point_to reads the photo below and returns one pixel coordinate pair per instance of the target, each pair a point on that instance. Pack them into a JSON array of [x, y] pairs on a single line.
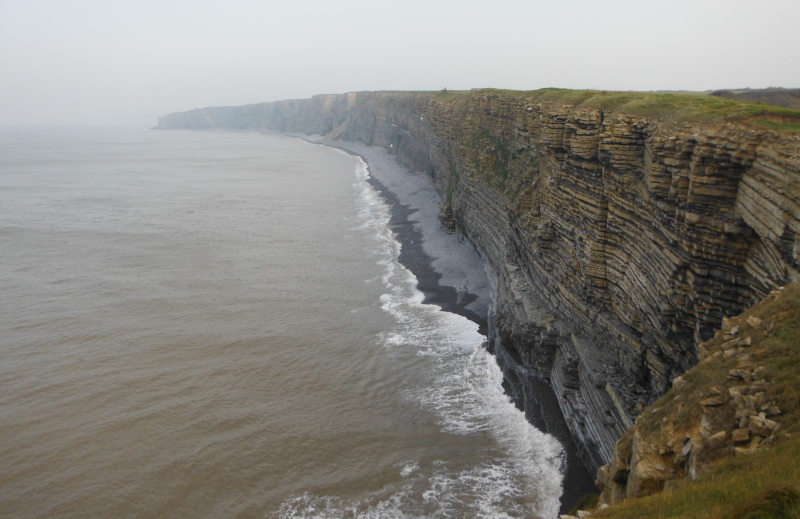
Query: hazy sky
[[111, 61]]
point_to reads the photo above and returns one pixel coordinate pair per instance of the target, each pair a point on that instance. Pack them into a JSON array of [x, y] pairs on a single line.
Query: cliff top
[[668, 107], [786, 97]]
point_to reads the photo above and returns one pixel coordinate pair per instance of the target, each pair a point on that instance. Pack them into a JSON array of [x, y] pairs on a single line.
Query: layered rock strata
[[736, 401], [619, 242]]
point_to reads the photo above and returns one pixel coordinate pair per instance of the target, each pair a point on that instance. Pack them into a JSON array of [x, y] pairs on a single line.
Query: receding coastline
[[414, 220], [622, 227]]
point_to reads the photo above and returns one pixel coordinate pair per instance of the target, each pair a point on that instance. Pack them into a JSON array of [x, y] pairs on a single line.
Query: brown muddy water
[[213, 325]]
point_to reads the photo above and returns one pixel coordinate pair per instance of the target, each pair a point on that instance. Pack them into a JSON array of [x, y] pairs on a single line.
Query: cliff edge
[[621, 228], [722, 442]]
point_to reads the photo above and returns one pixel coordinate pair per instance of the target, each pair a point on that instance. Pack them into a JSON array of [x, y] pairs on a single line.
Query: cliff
[[621, 228], [722, 442]]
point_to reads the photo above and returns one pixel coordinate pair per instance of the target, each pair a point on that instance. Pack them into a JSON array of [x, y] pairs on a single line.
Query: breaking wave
[[519, 471]]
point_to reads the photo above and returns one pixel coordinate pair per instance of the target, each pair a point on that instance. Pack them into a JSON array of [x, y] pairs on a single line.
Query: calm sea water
[[211, 325]]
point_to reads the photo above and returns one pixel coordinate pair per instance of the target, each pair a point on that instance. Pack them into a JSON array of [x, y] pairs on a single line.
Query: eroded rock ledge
[[740, 399], [619, 240]]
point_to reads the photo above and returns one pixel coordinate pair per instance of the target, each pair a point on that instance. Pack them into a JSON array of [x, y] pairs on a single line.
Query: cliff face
[[619, 240], [716, 424]]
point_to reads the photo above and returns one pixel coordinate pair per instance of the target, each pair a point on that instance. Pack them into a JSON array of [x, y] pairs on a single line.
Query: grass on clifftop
[[746, 485], [671, 107], [739, 484]]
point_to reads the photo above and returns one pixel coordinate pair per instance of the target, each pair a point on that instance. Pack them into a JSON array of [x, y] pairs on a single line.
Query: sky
[[127, 62]]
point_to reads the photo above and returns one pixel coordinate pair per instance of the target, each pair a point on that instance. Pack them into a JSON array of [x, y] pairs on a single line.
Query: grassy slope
[[723, 493], [668, 107], [739, 481], [788, 97]]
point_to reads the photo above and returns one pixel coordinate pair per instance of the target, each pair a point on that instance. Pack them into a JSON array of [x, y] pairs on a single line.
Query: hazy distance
[[99, 62]]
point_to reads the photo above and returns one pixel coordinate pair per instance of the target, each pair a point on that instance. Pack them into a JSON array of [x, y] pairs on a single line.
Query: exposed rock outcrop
[[740, 398], [620, 236]]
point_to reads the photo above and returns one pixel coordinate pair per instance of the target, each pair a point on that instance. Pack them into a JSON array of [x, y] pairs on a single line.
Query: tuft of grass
[[587, 502], [776, 503]]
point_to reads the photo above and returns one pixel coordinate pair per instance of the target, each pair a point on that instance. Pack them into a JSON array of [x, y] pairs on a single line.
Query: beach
[[452, 275]]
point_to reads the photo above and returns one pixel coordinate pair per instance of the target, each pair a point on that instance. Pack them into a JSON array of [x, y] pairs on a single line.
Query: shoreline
[[417, 260], [449, 273], [414, 258], [548, 418]]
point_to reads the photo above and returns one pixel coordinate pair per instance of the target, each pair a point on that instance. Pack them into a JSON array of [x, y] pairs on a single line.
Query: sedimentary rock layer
[[737, 400], [619, 242]]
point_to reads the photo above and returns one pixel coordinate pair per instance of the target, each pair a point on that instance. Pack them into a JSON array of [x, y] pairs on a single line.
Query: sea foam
[[523, 472]]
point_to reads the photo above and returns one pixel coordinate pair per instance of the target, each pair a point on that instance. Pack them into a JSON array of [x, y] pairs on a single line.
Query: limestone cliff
[[621, 228], [733, 402], [723, 441]]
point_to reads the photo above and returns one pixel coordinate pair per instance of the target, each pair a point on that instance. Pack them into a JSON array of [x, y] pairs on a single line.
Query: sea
[[216, 325]]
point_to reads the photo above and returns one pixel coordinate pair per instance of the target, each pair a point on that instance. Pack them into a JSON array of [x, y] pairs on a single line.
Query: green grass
[[740, 484], [778, 126], [666, 107], [587, 502], [749, 485], [774, 503], [451, 94]]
